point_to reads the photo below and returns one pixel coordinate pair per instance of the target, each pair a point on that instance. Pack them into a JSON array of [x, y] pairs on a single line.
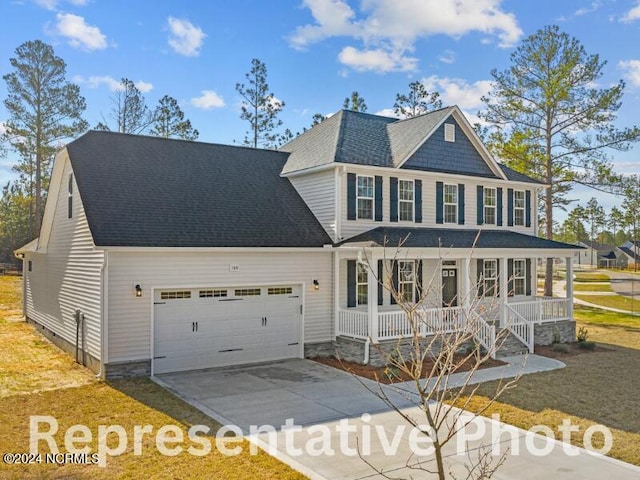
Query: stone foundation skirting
[[544, 333], [322, 349], [133, 369], [90, 362]]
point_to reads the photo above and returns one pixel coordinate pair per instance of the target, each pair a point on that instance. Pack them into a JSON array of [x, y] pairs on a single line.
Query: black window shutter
[[461, 204], [510, 276], [439, 202], [393, 198], [418, 280], [380, 282], [394, 283], [527, 208], [499, 207], [351, 283], [480, 205], [418, 200], [510, 207], [528, 277], [70, 206], [351, 196], [378, 197], [480, 277]]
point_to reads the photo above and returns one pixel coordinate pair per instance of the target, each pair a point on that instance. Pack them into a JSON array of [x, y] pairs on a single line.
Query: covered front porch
[[444, 289]]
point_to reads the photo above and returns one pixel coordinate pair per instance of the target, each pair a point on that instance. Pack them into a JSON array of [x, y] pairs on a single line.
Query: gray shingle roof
[[455, 238], [154, 192], [517, 176], [630, 253]]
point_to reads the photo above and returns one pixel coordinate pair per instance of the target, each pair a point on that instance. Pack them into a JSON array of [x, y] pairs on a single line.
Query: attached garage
[[207, 327]]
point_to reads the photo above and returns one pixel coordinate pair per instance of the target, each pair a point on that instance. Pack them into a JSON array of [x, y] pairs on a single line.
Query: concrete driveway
[[335, 417]]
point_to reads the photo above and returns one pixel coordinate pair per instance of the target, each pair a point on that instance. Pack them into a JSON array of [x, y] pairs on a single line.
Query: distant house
[[163, 255], [597, 255], [629, 253]]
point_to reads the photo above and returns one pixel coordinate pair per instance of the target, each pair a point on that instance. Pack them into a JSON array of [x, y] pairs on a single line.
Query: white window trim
[[493, 207], [412, 201], [407, 282], [445, 203], [362, 266], [372, 198], [523, 208], [486, 278], [523, 277]]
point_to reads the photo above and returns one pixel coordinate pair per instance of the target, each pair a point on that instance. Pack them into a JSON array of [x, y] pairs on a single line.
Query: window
[[406, 280], [405, 200], [518, 207], [362, 288], [70, 197], [30, 265], [212, 293], [519, 277], [246, 292], [449, 132], [490, 277], [175, 294], [450, 204], [364, 197], [489, 206], [280, 291]]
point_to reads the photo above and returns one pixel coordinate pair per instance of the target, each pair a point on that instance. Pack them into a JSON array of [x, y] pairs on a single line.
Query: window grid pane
[[450, 203], [490, 206], [362, 287], [519, 277], [364, 196], [490, 271], [406, 280], [405, 200], [518, 208]]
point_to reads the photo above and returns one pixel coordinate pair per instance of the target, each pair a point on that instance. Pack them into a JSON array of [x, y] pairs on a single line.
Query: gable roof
[[365, 139], [154, 192], [423, 237]]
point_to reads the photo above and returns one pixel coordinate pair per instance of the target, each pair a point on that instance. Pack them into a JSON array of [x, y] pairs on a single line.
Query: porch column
[[569, 285], [465, 294], [372, 298], [336, 292], [504, 290]]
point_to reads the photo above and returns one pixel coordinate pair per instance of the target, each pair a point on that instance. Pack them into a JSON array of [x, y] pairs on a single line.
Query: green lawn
[[595, 388], [590, 277], [591, 287], [614, 301], [36, 378]]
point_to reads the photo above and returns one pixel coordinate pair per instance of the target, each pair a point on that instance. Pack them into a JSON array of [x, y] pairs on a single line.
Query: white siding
[[318, 192], [350, 228], [130, 317], [68, 276]]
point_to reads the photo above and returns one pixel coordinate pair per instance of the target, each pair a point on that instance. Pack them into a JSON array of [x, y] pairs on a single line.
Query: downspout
[[367, 345], [104, 313]]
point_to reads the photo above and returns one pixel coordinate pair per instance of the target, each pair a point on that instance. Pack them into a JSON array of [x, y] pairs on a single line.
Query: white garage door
[[212, 327]]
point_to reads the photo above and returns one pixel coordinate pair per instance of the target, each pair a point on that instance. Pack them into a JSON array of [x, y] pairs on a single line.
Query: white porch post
[[372, 298], [569, 285], [466, 285], [336, 293], [504, 292]]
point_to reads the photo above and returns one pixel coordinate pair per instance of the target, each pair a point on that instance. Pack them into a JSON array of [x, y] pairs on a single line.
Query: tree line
[[546, 116]]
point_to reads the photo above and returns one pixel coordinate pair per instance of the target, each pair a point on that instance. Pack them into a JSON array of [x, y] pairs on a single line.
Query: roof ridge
[[422, 115]]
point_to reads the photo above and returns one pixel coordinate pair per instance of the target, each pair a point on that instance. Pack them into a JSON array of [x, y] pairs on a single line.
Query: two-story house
[[161, 255]]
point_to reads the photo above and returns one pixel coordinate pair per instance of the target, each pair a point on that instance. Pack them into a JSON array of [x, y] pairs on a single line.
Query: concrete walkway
[[323, 402]]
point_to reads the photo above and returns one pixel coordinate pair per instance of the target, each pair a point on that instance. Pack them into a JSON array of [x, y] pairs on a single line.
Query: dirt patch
[[388, 375]]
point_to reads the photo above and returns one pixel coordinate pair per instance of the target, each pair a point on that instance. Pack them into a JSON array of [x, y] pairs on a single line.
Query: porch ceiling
[[415, 237]]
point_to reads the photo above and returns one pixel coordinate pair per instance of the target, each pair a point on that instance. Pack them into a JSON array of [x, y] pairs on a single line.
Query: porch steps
[[509, 344]]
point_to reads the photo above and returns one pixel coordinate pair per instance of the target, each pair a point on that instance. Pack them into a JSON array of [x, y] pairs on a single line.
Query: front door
[[449, 287]]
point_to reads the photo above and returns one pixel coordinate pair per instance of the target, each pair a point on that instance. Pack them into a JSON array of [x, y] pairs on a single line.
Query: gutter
[[104, 274]]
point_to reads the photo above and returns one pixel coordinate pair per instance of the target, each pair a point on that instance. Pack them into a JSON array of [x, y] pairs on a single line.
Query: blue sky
[[317, 52]]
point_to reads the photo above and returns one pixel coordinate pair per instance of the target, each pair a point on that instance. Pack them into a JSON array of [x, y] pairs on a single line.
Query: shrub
[[582, 335], [560, 347], [587, 345], [556, 335]]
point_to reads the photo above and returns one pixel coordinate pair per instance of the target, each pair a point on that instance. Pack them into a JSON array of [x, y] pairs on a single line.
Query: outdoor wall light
[[138, 289], [316, 285]]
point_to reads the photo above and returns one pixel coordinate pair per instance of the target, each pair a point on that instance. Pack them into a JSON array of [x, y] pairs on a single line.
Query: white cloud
[[593, 7], [387, 112], [377, 60], [631, 70], [79, 33], [110, 82], [633, 14], [388, 29], [185, 39], [53, 4], [448, 56], [457, 91], [208, 100]]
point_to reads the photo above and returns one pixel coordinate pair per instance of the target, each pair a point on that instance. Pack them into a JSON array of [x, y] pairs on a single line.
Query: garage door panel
[[228, 330]]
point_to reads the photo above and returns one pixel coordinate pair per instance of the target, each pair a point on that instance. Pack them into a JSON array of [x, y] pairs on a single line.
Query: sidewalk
[[559, 291]]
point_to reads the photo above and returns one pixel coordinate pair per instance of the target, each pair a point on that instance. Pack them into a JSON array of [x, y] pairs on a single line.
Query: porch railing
[[519, 326], [353, 323], [396, 324], [543, 309]]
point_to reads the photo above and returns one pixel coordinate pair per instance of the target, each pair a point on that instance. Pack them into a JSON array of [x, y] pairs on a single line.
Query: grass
[[591, 287], [594, 388], [613, 301], [591, 277], [37, 379]]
